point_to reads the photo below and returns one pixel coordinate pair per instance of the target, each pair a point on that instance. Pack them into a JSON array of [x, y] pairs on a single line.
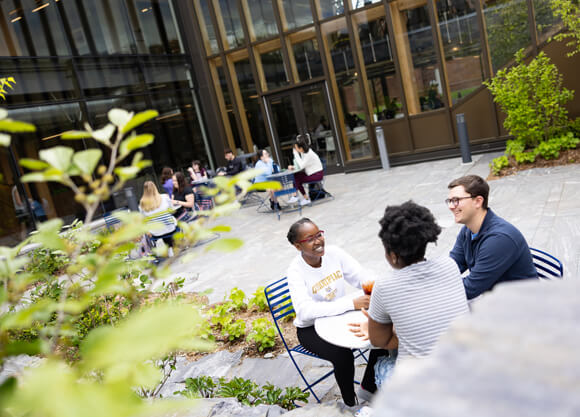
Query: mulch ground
[[571, 156]]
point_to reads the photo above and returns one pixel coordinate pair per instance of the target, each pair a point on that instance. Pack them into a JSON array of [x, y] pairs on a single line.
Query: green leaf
[[76, 134], [221, 228], [3, 114], [59, 157], [33, 177], [48, 235], [104, 135], [136, 142], [33, 164], [266, 185], [13, 126], [7, 388], [139, 119], [87, 160], [127, 173], [4, 140], [119, 117], [225, 245]]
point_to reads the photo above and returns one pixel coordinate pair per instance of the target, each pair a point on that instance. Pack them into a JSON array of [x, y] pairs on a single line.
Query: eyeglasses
[[455, 200], [312, 238]]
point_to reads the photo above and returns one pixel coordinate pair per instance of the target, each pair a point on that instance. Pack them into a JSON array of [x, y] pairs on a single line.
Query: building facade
[[248, 74]]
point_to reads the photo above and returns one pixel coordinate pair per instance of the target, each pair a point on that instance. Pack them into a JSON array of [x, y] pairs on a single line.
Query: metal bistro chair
[[547, 266], [280, 304]]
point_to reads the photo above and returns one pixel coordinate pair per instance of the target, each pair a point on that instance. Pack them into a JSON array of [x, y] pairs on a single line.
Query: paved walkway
[[543, 203]]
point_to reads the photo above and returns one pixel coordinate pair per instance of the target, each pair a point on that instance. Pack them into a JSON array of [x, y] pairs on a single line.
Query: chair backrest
[[111, 218], [547, 266], [164, 217], [279, 302]]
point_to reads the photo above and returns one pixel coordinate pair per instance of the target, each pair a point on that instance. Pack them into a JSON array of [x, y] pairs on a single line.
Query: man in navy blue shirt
[[491, 248]]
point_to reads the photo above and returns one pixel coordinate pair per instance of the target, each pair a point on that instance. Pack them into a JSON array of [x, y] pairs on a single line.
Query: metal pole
[[463, 138], [382, 147]]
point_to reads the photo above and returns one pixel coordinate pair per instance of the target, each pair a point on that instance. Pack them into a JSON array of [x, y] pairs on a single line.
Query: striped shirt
[[421, 300]]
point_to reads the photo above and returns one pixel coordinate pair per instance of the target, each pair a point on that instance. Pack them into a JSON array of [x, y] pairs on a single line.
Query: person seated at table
[[197, 172], [167, 180], [317, 278], [421, 297], [234, 164], [266, 165], [157, 207], [183, 198], [305, 158]]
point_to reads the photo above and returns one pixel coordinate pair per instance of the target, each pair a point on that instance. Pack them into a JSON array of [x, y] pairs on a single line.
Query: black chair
[[316, 191]]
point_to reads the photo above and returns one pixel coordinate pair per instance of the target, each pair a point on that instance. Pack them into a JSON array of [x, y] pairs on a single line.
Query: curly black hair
[[406, 230], [292, 235]]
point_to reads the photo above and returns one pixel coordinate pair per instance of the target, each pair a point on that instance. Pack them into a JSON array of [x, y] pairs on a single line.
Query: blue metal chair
[[547, 266], [280, 304]]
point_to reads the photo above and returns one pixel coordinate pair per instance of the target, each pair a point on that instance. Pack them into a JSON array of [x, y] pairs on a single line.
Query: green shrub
[[526, 157], [47, 262], [106, 310], [533, 99], [569, 140], [234, 330], [237, 299], [259, 300], [200, 387], [549, 149], [263, 333], [220, 315], [498, 164]]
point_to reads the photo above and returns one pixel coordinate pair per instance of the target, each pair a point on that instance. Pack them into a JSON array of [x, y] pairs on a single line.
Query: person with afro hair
[[421, 297]]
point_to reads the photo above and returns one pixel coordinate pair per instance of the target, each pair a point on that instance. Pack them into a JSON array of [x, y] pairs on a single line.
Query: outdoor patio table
[[286, 179], [336, 330]]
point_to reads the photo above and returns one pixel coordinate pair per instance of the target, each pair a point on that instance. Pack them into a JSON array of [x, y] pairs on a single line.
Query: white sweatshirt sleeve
[[307, 309]]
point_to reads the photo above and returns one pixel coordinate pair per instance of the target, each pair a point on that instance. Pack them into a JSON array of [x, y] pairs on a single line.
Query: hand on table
[[361, 329], [361, 302]]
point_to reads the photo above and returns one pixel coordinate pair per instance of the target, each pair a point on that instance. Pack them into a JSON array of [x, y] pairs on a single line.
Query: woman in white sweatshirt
[[305, 158], [317, 278]]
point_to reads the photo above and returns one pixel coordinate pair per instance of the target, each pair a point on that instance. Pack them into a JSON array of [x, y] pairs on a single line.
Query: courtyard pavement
[[544, 203]]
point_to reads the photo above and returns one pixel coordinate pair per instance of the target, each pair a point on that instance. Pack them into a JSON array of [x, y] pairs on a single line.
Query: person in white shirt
[[317, 278], [158, 207], [305, 158]]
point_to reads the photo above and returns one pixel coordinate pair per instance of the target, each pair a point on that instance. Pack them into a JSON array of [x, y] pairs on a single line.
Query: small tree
[[569, 12], [533, 98]]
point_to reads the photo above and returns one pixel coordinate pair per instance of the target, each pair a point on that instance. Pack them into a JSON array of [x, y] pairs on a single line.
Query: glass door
[[304, 110]]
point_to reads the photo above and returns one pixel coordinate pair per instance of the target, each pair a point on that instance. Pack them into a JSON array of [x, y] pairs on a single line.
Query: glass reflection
[[167, 71], [507, 29], [546, 22], [232, 23], [459, 29], [308, 61], [39, 80], [428, 87], [28, 28], [251, 103], [297, 12], [378, 59], [357, 4], [154, 26], [109, 76], [262, 19], [274, 70], [231, 117], [348, 84], [207, 28], [330, 8]]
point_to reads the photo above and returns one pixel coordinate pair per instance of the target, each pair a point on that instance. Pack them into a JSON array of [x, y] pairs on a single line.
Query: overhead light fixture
[[145, 10], [40, 7], [16, 19], [253, 96]]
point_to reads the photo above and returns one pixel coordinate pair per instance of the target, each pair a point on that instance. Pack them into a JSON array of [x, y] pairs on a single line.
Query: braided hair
[[295, 229], [406, 230]]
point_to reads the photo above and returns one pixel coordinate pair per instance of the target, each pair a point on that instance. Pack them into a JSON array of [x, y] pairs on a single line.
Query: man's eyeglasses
[[312, 238], [455, 200]]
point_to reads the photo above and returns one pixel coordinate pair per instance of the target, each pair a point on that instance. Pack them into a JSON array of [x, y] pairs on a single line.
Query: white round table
[[335, 330]]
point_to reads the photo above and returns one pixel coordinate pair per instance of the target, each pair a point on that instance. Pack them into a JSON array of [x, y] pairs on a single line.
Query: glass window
[[330, 8], [251, 103], [546, 22], [357, 4], [207, 29], [231, 117], [262, 19], [109, 76], [274, 71], [348, 83], [154, 26], [297, 13], [232, 23], [459, 30], [30, 28], [308, 61], [507, 29], [38, 80], [427, 90], [162, 72], [378, 58]]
